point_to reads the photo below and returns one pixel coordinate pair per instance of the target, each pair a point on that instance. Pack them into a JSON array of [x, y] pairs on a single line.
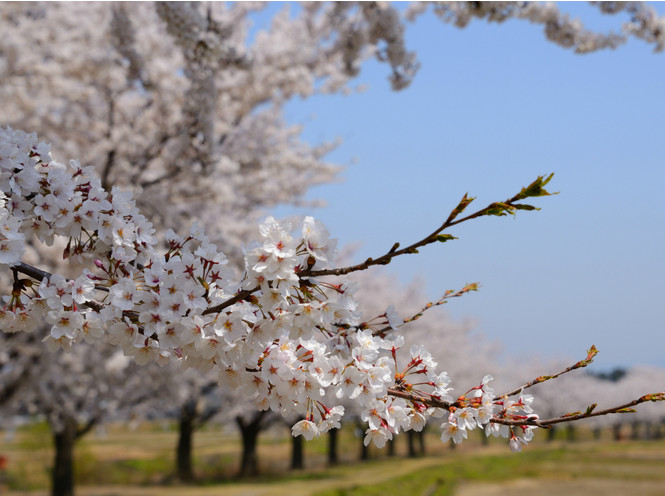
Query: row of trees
[[177, 103]]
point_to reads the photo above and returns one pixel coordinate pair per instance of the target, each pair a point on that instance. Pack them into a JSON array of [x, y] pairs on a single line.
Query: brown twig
[[240, 296], [425, 400], [531, 421], [496, 208], [591, 353], [40, 275], [446, 296], [626, 408]]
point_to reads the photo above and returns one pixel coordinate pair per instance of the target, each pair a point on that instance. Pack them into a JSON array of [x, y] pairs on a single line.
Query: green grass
[[635, 461], [143, 459]]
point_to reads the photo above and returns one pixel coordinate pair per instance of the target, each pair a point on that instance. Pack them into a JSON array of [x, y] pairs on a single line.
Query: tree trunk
[[484, 440], [659, 431], [390, 445], [411, 437], [571, 433], [63, 466], [249, 430], [649, 432], [551, 433], [364, 450], [421, 441], [333, 459], [616, 431], [184, 466], [297, 452]]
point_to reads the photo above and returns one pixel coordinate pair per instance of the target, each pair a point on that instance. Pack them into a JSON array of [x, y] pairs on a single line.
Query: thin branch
[[169, 175], [142, 163], [85, 428], [626, 408], [446, 296], [591, 353], [242, 295], [40, 275], [531, 421], [425, 400], [110, 155], [496, 208]]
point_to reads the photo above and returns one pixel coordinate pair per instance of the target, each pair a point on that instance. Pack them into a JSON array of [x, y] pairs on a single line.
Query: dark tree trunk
[[659, 431], [616, 430], [333, 459], [421, 441], [596, 433], [184, 467], [571, 433], [484, 440], [411, 437], [390, 445], [63, 466], [297, 452], [420, 437], [364, 450], [648, 431], [551, 433], [635, 431], [249, 430]]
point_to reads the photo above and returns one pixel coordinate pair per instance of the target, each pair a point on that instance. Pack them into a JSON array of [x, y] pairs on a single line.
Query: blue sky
[[493, 107]]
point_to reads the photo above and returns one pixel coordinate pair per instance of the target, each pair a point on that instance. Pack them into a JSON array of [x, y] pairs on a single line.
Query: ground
[[139, 463]]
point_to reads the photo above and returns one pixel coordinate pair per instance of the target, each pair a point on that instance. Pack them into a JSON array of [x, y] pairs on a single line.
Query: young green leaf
[[653, 397], [464, 202], [525, 207], [499, 209], [536, 188]]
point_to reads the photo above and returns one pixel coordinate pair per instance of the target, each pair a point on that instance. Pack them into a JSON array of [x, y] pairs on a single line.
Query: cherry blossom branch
[[240, 296], [590, 412], [424, 400], [446, 296], [40, 275], [528, 420], [507, 207]]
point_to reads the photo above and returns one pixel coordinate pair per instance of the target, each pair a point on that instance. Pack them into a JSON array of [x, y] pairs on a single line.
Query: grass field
[[140, 463]]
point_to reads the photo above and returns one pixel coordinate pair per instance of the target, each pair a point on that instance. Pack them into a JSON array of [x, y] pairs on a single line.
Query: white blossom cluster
[[559, 27], [293, 342]]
